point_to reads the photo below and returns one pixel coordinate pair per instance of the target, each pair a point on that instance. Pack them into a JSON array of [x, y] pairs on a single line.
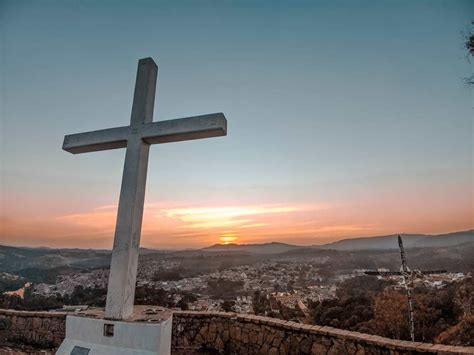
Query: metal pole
[[406, 274]]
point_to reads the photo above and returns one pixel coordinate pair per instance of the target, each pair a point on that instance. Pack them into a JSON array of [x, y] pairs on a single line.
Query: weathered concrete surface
[[127, 338], [181, 129], [137, 138], [230, 333]]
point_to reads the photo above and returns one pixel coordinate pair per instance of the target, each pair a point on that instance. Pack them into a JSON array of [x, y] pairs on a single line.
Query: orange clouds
[[182, 225], [100, 218], [199, 226], [219, 217], [228, 223], [179, 226]]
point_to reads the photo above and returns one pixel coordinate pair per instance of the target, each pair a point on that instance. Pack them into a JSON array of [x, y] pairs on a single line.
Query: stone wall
[[38, 329], [247, 334], [228, 333]]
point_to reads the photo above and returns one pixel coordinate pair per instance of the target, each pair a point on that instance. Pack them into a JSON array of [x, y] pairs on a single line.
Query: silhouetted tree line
[[94, 297], [11, 284], [48, 275]]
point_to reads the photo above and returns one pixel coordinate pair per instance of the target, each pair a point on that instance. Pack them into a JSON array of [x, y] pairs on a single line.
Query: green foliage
[[31, 302], [9, 284], [264, 305], [186, 298], [87, 296], [365, 304], [261, 304], [146, 295], [168, 275], [46, 275], [360, 285], [346, 313], [4, 325], [223, 288], [228, 306], [287, 313], [470, 43]]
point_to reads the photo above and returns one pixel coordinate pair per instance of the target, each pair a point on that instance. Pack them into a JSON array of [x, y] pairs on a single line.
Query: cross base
[[148, 332]]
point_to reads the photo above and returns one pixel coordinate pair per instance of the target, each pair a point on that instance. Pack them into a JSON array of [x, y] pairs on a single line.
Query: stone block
[[318, 349], [264, 349], [225, 335], [238, 332], [219, 344], [305, 346], [276, 341]]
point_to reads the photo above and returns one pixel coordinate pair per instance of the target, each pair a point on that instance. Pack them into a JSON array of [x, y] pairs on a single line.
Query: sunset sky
[[345, 119]]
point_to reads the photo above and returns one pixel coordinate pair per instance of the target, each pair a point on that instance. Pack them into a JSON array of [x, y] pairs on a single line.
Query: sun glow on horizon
[[170, 224], [228, 237], [191, 225]]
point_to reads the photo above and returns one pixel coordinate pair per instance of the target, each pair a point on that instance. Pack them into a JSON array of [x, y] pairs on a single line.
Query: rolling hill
[[409, 241], [265, 248], [364, 243]]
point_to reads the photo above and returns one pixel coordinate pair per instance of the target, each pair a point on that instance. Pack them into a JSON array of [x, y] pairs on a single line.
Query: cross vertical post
[[123, 268]]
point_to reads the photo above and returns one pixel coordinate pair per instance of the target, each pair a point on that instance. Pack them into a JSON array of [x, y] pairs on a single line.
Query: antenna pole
[[406, 275]]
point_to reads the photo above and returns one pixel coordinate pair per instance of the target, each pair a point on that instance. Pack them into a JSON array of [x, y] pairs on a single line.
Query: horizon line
[[245, 244]]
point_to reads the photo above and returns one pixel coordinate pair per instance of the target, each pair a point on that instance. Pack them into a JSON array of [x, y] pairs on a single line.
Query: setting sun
[[228, 238]]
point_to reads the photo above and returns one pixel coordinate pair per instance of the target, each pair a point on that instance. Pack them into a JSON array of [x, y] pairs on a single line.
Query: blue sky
[[356, 106]]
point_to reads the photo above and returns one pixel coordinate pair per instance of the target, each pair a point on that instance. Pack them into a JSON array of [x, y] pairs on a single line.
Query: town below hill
[[323, 285]]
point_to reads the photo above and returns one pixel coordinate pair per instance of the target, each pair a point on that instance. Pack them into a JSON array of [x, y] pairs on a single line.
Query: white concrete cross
[[137, 138]]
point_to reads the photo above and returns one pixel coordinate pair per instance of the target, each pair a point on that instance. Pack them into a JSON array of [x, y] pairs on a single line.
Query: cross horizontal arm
[[104, 139], [182, 129]]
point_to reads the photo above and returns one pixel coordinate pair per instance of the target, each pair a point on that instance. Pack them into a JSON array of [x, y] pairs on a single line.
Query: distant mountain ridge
[[409, 241], [364, 243], [453, 250], [264, 248], [17, 258]]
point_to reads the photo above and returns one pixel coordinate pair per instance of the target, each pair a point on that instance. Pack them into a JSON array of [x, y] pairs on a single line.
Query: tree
[[228, 306], [146, 295], [390, 315], [11, 284], [186, 298], [346, 313], [261, 304], [469, 44]]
